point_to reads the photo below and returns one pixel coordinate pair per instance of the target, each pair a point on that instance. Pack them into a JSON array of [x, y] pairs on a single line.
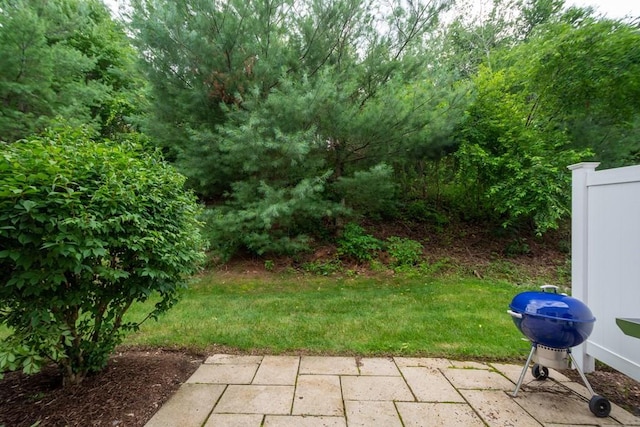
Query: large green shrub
[[86, 229]]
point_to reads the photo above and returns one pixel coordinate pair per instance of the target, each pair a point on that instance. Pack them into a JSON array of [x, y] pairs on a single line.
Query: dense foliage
[[293, 118], [65, 58], [288, 115], [86, 229]]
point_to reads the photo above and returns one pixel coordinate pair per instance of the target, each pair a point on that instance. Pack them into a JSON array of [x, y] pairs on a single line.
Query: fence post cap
[[584, 165]]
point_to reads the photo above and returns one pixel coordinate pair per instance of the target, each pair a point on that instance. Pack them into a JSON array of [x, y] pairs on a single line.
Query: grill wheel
[[599, 406], [540, 373]]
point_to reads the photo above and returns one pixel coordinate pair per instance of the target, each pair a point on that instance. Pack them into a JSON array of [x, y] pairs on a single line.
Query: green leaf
[[28, 205]]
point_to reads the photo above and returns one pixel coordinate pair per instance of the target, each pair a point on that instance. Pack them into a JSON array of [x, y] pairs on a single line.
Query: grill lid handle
[[514, 314], [547, 287]]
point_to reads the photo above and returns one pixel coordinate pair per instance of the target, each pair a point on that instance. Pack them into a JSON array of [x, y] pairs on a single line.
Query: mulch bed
[[127, 393]]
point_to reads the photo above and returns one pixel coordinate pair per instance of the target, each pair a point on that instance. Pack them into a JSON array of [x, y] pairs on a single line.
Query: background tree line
[[292, 118]]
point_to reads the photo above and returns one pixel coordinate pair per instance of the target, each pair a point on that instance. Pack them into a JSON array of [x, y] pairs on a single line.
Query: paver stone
[[416, 414], [477, 379], [430, 385], [224, 374], [375, 388], [189, 406], [277, 370], [371, 413], [497, 409], [328, 365], [256, 399], [378, 366], [318, 395]]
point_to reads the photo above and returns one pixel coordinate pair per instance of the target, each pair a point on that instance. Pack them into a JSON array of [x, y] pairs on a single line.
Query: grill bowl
[[551, 319]]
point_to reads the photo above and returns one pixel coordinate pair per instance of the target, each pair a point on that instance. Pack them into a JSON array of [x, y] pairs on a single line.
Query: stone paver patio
[[310, 391]]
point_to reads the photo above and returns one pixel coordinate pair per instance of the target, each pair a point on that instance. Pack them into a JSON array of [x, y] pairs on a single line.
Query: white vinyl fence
[[605, 271]]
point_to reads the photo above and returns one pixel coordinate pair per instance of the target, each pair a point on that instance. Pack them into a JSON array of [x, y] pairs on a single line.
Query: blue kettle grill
[[554, 323]]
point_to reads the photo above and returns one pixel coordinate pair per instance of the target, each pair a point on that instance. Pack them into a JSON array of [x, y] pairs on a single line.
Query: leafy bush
[[355, 243], [86, 229], [404, 252], [516, 169]]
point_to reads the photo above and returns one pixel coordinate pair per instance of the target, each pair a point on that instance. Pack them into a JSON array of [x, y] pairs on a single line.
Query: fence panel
[[606, 263]]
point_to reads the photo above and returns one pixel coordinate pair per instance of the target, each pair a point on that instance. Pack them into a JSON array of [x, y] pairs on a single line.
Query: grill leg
[[524, 370], [584, 378]]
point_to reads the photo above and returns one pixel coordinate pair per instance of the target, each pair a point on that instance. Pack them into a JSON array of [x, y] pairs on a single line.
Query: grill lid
[[552, 305]]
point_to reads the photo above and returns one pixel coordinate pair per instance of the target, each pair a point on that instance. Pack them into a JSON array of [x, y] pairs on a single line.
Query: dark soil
[[128, 392]]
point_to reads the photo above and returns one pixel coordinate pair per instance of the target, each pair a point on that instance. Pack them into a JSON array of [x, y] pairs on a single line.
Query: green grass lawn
[[454, 317]]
